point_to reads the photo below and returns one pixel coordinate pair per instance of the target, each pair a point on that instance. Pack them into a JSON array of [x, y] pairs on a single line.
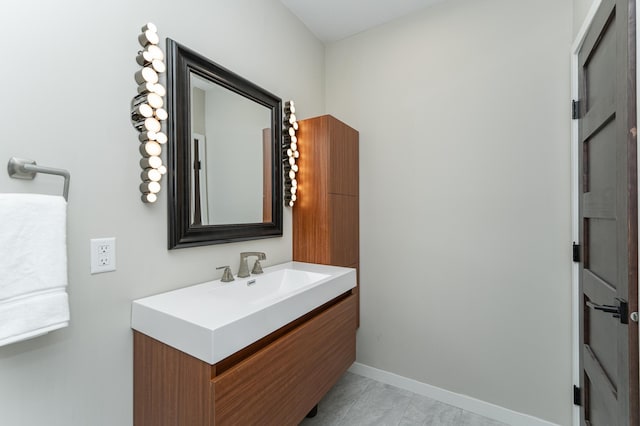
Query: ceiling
[[332, 20]]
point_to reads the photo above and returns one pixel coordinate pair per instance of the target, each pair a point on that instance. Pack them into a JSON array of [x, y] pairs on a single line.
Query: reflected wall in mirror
[[224, 157], [219, 116]]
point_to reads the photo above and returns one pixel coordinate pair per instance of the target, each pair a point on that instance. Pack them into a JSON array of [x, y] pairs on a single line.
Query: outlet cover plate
[[103, 255]]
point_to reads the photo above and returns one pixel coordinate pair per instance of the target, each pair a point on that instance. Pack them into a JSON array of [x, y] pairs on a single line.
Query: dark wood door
[[608, 218]]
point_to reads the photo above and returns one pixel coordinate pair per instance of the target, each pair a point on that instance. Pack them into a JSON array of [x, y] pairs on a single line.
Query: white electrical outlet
[[103, 255]]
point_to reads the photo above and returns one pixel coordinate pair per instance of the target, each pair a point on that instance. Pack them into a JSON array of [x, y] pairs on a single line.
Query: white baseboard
[[467, 403]]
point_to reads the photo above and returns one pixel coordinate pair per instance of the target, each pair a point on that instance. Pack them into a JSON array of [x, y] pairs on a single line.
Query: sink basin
[[213, 320], [271, 286]]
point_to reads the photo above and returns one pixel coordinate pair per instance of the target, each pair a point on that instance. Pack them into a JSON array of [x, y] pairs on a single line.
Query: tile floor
[[357, 401]]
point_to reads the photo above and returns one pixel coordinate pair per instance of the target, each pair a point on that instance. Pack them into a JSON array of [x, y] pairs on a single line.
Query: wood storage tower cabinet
[[326, 226]]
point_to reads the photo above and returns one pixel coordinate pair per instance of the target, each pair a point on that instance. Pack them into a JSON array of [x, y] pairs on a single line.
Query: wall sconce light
[[148, 113], [290, 153]]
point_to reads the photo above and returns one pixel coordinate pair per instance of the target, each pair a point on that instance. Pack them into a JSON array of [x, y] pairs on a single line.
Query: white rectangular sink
[[213, 320]]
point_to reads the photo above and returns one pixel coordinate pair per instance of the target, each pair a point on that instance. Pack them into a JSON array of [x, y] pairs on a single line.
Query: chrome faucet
[[243, 271]]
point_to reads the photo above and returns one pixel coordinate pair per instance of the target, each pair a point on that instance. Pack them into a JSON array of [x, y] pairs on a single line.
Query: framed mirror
[[224, 158]]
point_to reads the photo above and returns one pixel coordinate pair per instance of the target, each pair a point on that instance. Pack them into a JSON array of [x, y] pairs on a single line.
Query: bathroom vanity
[[224, 354]]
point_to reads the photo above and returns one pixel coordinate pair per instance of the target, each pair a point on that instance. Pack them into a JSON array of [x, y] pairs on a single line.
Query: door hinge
[[577, 396], [576, 252], [575, 109]]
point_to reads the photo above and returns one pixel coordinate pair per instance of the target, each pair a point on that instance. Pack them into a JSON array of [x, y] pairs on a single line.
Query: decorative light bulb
[[147, 136], [293, 197], [296, 154], [155, 52], [294, 138], [292, 131], [155, 100], [153, 162], [292, 118], [152, 187], [295, 168], [150, 149], [162, 114], [144, 57], [142, 111], [159, 89], [150, 124], [146, 74], [295, 125], [161, 138], [149, 26], [289, 107], [149, 198], [158, 65], [151, 174], [162, 169], [292, 174], [294, 182], [148, 37], [292, 161], [293, 189], [291, 203], [146, 87]]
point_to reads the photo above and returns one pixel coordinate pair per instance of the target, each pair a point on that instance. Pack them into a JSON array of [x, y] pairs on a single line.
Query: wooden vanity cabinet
[[275, 381], [326, 224]]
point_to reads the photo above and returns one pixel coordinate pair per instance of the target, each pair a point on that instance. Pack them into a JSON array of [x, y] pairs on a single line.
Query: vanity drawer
[[281, 383]]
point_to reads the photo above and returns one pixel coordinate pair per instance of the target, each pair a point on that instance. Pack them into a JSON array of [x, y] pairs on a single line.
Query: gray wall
[[234, 155], [463, 113], [580, 10], [198, 111], [67, 82]]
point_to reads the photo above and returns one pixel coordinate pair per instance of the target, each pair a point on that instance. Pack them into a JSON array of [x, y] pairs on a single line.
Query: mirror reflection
[[230, 156], [224, 154]]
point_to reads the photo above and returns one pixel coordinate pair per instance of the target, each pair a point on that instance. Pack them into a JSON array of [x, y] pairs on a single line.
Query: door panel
[[599, 78], [602, 249], [608, 218], [600, 340]]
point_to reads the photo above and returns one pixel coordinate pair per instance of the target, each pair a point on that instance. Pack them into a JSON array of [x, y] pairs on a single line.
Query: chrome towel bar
[[20, 168]]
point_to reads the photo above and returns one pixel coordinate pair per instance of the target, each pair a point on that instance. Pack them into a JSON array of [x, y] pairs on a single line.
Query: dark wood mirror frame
[[181, 63]]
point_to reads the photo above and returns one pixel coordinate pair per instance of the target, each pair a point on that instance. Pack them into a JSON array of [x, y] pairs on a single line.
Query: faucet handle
[[227, 276], [257, 267]]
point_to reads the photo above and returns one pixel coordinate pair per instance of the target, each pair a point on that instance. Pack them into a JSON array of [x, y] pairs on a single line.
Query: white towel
[[37, 314], [33, 265]]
